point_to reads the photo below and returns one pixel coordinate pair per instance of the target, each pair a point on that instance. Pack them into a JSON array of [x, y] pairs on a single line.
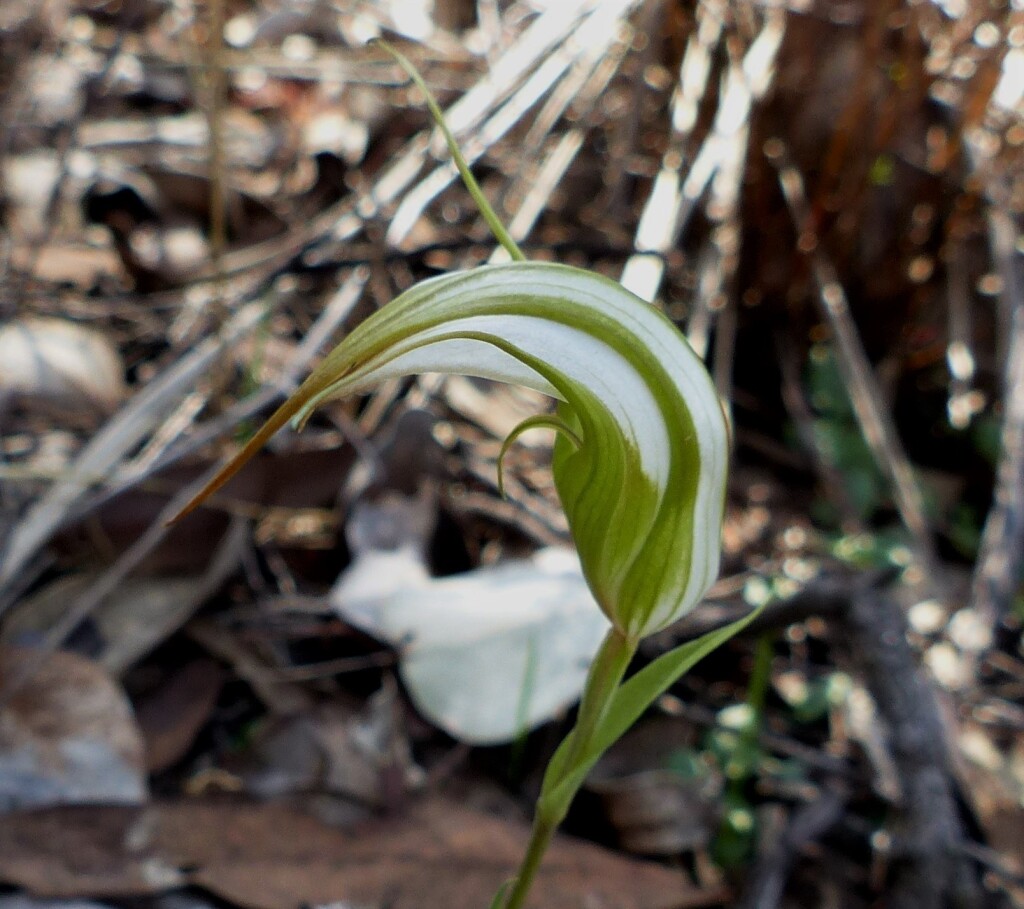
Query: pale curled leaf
[[644, 490], [484, 655]]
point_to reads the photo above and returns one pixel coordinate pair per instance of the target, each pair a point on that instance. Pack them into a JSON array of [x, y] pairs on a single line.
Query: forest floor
[[338, 683]]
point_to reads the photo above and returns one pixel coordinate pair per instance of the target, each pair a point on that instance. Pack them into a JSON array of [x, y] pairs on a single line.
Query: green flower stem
[[540, 839], [603, 680], [606, 672], [493, 221]]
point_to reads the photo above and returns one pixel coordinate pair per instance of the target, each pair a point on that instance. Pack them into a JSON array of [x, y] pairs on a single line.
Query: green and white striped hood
[[641, 458]]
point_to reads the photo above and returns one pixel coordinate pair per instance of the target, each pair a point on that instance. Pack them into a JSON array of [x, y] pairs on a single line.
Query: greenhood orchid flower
[[639, 457], [641, 451]]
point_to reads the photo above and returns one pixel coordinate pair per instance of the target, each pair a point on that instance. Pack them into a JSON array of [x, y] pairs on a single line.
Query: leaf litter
[[793, 183]]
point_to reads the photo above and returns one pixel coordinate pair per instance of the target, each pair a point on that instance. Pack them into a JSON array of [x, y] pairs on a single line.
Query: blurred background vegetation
[[825, 195]]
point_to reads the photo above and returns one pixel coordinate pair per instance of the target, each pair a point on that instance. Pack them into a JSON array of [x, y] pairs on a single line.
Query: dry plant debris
[[275, 857], [826, 195]]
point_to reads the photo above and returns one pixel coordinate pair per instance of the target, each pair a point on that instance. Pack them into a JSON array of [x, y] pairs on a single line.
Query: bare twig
[[280, 696], [112, 577], [599, 28], [997, 571], [930, 844], [673, 199], [765, 884], [132, 475], [110, 445], [661, 221], [929, 871], [582, 87]]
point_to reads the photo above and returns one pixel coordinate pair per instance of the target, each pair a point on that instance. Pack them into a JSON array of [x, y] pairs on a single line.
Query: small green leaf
[[561, 782], [644, 688], [499, 898]]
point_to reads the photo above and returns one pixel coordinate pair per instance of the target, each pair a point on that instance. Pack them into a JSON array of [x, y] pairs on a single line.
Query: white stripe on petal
[[584, 356], [452, 356], [580, 356], [603, 371]]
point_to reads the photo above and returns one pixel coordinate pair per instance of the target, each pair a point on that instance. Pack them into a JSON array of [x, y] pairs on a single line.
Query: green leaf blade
[[564, 778]]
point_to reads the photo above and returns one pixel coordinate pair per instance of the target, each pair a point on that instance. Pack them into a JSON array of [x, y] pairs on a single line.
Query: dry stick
[[875, 421], [931, 867], [525, 511], [599, 27], [538, 41], [673, 199], [929, 870], [281, 697], [715, 301], [725, 333], [337, 310], [90, 599], [223, 562], [997, 571], [216, 86], [724, 211], [827, 596], [661, 220], [582, 88], [458, 161], [545, 179], [108, 447], [622, 130], [766, 882], [580, 91]]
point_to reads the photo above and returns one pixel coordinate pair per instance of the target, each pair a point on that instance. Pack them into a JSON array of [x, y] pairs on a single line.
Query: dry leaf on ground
[[271, 856], [67, 734]]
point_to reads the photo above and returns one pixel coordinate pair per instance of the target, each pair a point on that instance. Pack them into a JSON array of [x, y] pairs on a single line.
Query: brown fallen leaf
[[273, 856], [84, 851], [61, 364], [67, 733], [443, 855], [171, 716]]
